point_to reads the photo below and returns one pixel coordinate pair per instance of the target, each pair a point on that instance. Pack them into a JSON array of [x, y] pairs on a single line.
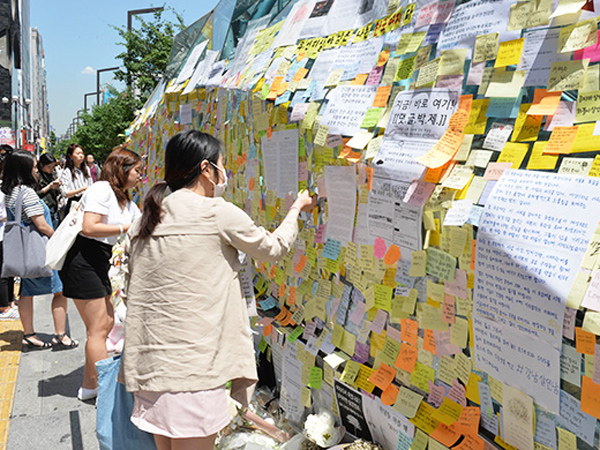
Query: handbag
[[24, 247], [114, 408], [63, 238]]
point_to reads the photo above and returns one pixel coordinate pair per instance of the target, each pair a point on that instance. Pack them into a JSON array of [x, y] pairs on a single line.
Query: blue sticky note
[[404, 441], [504, 107], [488, 417], [331, 250], [268, 303], [574, 419], [285, 97], [342, 312], [433, 34], [475, 215], [311, 87], [545, 431]]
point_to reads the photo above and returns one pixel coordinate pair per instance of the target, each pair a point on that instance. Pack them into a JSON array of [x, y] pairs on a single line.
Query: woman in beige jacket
[[187, 329]]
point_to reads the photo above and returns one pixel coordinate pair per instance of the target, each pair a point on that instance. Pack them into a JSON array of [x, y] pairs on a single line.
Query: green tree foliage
[[147, 49], [104, 128]]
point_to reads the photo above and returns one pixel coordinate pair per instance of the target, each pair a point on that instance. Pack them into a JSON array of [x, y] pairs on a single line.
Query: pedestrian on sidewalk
[[7, 284], [20, 172], [48, 185], [186, 331], [75, 177], [93, 167], [108, 213]]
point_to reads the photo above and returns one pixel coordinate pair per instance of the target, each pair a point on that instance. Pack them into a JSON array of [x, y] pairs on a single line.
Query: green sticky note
[[440, 264], [315, 378], [383, 297], [262, 345], [371, 117], [350, 372], [295, 334]]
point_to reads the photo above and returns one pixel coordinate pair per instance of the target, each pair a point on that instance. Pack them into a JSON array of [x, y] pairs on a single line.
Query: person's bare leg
[[162, 442], [26, 313], [205, 443], [95, 316]]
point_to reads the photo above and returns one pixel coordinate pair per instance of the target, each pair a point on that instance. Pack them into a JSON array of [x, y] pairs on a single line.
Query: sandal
[[29, 345], [57, 343]]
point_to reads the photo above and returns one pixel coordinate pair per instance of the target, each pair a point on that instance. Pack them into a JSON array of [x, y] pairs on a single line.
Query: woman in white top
[[75, 178], [108, 213]]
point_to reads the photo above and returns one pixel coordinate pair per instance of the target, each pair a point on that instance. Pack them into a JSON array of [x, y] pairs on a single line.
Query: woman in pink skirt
[[187, 328]]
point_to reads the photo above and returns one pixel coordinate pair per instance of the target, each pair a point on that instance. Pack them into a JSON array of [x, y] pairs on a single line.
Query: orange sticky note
[[444, 150], [409, 330], [300, 74], [392, 255], [585, 342], [301, 264], [445, 435], [251, 184], [383, 57], [561, 140], [292, 297], [407, 357], [269, 133], [468, 422], [544, 103], [381, 96], [383, 376], [281, 290], [470, 443], [267, 330], [360, 79], [429, 341], [389, 395], [279, 317], [369, 171], [349, 154], [590, 397], [435, 175]]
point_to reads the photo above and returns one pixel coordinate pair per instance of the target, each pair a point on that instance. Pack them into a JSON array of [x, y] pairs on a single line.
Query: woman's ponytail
[[152, 210]]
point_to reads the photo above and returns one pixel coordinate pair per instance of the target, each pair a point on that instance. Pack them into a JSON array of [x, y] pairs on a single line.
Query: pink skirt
[[181, 414]]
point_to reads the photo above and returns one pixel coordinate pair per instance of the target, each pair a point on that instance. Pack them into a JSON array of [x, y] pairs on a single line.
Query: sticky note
[[587, 107], [407, 402], [509, 53], [566, 75], [584, 341], [407, 358], [383, 376], [409, 331], [513, 153], [561, 140], [418, 264], [350, 372], [544, 103], [540, 161], [448, 412], [486, 47], [315, 378]]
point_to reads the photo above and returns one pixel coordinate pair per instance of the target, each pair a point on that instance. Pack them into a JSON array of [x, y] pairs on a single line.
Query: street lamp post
[[85, 97], [130, 14], [109, 69]]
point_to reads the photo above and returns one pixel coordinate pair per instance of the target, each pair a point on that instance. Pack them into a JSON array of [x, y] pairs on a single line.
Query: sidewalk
[[46, 413]]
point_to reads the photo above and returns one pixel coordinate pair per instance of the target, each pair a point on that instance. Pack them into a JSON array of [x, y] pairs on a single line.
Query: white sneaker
[[84, 394]]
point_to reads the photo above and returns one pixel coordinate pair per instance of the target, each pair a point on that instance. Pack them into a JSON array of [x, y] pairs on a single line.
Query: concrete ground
[[46, 413]]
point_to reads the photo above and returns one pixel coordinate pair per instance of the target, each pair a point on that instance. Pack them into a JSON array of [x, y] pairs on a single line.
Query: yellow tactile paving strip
[[11, 334]]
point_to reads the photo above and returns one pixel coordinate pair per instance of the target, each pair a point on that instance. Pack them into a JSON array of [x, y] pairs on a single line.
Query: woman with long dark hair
[[186, 331], [48, 185], [21, 174], [7, 284], [108, 213], [75, 177]]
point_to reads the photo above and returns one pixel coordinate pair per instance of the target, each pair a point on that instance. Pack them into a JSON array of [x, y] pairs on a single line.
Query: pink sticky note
[[394, 334], [361, 352], [450, 81], [475, 73], [299, 111], [289, 200], [458, 286], [375, 75], [596, 373], [443, 347], [321, 187], [418, 193], [334, 140], [592, 52], [265, 321], [494, 170], [320, 234], [458, 393], [448, 315], [302, 171], [309, 330], [436, 394], [379, 248], [358, 314], [379, 322]]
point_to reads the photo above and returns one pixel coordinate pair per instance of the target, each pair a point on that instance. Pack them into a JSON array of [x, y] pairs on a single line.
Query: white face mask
[[221, 187]]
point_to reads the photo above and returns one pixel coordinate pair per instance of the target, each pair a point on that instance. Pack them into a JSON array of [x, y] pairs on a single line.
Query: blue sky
[[77, 34]]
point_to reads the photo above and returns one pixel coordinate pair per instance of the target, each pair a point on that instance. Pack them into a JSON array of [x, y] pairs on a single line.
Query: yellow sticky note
[[527, 127], [505, 83], [578, 36], [362, 380], [306, 398], [595, 170], [334, 77], [477, 118], [509, 53], [591, 80], [538, 160], [418, 264], [350, 372], [459, 332], [448, 412], [452, 62], [421, 376], [566, 440], [588, 107], [567, 75], [424, 419], [519, 15], [407, 402], [428, 73], [585, 141], [486, 47]]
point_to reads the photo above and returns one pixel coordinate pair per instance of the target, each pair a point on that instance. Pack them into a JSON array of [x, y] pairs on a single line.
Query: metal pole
[[85, 97], [109, 69], [130, 14]]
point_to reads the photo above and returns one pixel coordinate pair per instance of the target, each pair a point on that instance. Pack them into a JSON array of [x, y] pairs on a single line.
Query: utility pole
[[130, 14], [109, 69]]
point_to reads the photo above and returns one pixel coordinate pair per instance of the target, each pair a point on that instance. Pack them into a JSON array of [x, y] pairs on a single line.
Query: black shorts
[[85, 272]]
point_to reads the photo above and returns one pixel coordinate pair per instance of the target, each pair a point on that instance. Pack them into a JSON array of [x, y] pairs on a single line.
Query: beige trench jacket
[[187, 326]]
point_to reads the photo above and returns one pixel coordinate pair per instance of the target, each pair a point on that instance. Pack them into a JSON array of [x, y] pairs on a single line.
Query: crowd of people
[[186, 331]]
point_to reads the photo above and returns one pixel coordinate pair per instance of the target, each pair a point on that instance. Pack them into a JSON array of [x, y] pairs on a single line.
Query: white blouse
[[101, 199], [69, 184]]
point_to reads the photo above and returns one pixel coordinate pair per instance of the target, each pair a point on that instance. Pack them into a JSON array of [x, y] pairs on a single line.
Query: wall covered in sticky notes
[[446, 290]]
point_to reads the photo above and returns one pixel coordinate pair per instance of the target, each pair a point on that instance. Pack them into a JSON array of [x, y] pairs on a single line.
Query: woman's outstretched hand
[[305, 201]]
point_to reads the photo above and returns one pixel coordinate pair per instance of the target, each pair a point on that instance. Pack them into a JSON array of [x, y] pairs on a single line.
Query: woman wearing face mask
[[108, 213], [186, 332]]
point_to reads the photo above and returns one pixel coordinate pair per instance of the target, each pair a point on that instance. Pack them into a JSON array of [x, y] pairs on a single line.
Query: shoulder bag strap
[[19, 205]]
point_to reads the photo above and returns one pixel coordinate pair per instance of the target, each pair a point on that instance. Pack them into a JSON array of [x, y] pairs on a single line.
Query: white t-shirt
[[69, 184], [99, 198]]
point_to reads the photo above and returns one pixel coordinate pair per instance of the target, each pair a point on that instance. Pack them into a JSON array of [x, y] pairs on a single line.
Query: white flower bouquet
[[320, 428]]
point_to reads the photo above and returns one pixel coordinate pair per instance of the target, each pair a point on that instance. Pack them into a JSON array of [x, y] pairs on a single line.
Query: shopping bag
[[114, 405], [24, 247], [63, 238]]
